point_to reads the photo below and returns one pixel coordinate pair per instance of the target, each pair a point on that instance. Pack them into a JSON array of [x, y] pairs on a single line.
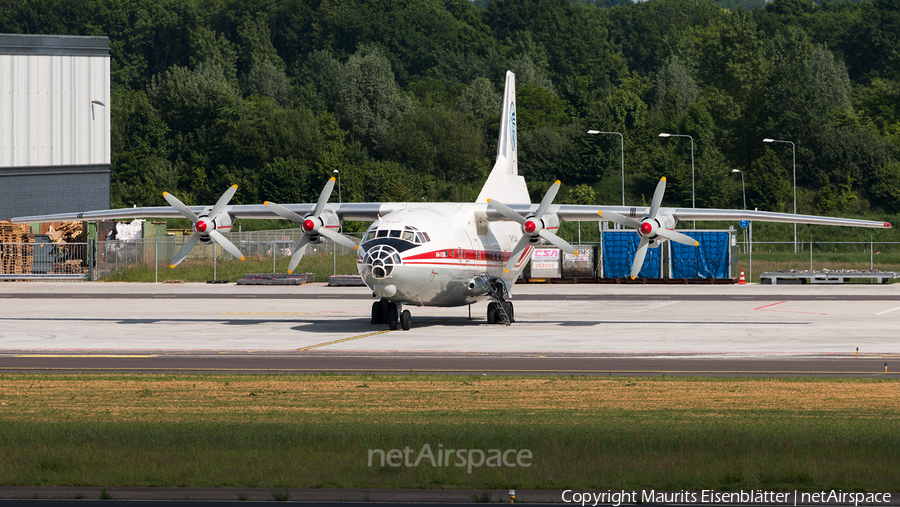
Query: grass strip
[[231, 270], [316, 431]]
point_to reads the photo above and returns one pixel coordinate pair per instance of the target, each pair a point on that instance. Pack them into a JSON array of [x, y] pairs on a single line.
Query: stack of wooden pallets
[[15, 249]]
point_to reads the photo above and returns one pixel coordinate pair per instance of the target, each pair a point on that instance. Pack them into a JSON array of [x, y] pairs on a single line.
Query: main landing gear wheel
[[391, 315], [493, 313], [376, 313], [510, 312], [405, 318]]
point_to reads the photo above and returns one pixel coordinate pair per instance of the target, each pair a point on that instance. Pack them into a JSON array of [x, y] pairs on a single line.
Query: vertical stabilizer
[[504, 182]]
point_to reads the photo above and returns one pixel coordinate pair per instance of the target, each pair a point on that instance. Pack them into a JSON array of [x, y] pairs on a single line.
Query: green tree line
[[403, 97]]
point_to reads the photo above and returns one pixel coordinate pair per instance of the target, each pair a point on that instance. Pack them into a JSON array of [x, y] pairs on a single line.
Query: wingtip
[[489, 201], [234, 187], [575, 253], [887, 225], [289, 271], [243, 257], [600, 213], [697, 243], [633, 277], [355, 247], [558, 182], [333, 178], [172, 266], [663, 178], [266, 203], [505, 270], [165, 194]]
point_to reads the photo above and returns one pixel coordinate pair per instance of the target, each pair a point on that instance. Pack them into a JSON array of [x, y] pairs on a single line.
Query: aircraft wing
[[592, 213], [346, 211], [582, 213]]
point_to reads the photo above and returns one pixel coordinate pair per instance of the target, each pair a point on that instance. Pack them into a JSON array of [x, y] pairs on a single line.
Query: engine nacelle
[[478, 286], [550, 220]]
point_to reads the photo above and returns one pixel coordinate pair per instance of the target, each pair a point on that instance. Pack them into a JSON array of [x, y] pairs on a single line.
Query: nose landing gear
[[392, 314]]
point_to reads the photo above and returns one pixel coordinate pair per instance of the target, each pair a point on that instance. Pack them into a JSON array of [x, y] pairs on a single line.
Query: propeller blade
[[547, 200], [557, 241], [657, 197], [223, 201], [298, 253], [226, 244], [185, 249], [516, 253], [180, 207], [506, 211], [639, 257], [338, 238], [283, 212], [678, 237], [323, 197], [619, 219]]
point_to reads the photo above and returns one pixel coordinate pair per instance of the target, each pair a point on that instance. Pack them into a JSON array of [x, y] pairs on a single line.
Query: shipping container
[[581, 264], [545, 263], [617, 255], [714, 258]]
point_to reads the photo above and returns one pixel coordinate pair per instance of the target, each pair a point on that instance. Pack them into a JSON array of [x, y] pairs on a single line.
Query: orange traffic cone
[[742, 281]]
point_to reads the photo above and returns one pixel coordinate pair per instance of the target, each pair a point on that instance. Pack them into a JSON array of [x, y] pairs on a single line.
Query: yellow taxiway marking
[[376, 333], [86, 355], [345, 340]]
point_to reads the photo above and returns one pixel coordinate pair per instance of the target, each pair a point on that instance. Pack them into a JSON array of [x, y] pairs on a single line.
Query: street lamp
[[693, 201], [794, 154], [743, 188], [595, 132], [337, 174]]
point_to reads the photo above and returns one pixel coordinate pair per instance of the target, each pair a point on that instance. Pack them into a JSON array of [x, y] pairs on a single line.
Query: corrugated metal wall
[[49, 114]]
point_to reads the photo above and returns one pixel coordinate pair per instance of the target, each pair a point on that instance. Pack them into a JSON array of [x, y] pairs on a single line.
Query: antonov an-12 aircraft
[[446, 254]]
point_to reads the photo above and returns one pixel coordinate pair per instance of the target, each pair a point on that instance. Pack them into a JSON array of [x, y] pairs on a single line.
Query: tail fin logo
[[512, 124]]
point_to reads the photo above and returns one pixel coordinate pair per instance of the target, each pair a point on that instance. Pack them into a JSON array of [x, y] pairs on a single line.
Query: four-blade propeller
[[312, 225], [205, 225], [649, 228], [532, 226]]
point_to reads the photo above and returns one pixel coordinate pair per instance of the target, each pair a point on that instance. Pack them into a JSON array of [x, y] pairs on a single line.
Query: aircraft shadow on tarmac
[[363, 325]]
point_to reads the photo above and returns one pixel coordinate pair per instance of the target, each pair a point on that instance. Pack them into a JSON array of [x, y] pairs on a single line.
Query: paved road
[[592, 329]]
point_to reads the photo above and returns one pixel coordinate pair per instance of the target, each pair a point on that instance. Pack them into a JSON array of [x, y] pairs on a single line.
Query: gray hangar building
[[54, 124]]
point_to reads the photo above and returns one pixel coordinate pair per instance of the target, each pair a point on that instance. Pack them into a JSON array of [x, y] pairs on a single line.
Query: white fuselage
[[434, 254]]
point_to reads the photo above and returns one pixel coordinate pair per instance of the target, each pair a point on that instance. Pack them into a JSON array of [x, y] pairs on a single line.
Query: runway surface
[[751, 330]]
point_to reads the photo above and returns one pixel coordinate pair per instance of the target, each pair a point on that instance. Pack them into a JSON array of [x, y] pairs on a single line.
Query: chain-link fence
[[96, 259], [22, 261], [116, 255]]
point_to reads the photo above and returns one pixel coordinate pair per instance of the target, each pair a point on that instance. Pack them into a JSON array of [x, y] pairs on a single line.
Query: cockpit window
[[382, 233], [409, 236], [395, 234]]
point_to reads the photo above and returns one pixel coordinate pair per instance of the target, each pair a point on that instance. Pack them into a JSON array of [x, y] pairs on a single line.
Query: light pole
[[794, 156], [743, 188], [337, 174], [693, 201], [595, 132]]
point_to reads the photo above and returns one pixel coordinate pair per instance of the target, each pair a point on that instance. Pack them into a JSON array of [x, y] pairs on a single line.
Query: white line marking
[[886, 311], [657, 306]]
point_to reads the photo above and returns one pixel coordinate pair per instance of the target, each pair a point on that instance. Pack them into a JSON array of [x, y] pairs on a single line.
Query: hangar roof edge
[[53, 45]]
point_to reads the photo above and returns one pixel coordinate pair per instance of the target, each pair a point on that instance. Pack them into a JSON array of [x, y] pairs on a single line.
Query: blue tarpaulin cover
[[709, 260], [618, 254]]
